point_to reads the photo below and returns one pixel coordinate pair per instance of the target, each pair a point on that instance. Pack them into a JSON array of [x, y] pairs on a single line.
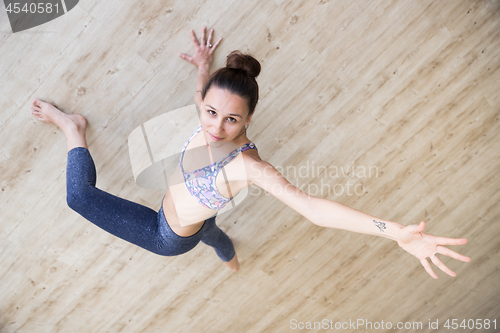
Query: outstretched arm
[[322, 212], [202, 58], [331, 214]]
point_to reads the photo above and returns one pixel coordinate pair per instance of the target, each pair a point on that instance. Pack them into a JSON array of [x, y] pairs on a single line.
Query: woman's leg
[[128, 220], [222, 244], [125, 219]]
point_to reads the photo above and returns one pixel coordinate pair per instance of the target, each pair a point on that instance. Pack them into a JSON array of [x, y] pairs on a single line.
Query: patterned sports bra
[[201, 182]]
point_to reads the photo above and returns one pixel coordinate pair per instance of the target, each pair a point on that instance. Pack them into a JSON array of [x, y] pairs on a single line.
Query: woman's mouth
[[214, 137]]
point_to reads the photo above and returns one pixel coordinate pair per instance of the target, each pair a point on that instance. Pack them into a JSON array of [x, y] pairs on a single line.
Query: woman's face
[[223, 115]]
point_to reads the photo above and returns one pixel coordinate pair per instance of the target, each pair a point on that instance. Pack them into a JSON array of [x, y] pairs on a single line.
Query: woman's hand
[[422, 246], [203, 51]]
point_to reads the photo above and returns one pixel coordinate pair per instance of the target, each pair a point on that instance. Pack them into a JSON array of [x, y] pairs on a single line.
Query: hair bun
[[246, 62]]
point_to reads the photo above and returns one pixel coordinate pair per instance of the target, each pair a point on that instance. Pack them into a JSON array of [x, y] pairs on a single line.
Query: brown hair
[[238, 77]]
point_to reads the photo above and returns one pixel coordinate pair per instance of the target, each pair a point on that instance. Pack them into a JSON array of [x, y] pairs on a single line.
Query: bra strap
[[235, 152]]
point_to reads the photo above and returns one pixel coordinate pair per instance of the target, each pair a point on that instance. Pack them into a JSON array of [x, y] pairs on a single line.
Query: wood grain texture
[[408, 88]]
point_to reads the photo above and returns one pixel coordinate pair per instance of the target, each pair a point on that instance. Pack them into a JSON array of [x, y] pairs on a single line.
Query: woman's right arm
[[202, 58], [203, 75]]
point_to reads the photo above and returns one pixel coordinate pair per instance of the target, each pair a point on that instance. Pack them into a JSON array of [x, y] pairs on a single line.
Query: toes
[[37, 105]]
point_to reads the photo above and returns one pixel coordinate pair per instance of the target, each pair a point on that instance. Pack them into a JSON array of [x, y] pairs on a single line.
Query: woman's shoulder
[[251, 155], [255, 166]]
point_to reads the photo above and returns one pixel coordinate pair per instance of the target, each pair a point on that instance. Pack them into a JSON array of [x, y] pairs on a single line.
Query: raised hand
[[203, 50], [423, 246]]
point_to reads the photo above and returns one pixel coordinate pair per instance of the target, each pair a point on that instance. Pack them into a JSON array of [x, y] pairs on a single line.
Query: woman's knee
[[72, 200], [76, 198], [228, 254]]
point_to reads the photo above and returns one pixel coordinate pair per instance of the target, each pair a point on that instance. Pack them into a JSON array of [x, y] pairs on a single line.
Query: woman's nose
[[218, 127]]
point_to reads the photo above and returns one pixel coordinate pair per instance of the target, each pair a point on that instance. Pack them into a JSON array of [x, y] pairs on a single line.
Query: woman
[[226, 100]]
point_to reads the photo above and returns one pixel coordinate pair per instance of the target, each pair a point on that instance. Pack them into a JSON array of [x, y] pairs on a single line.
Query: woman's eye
[[231, 119]]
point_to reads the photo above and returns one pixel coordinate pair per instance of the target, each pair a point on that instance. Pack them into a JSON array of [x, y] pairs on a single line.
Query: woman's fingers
[[203, 52], [186, 57], [428, 268], [442, 266], [194, 39], [217, 43], [450, 253], [451, 241], [209, 39], [202, 41], [420, 227]]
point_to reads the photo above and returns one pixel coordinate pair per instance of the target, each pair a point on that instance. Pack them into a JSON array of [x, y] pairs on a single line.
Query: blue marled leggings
[[130, 221]]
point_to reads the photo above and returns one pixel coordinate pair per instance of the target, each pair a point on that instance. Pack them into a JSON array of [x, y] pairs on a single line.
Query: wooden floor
[[408, 90]]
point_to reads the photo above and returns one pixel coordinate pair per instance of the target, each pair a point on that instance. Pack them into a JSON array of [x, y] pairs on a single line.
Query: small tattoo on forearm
[[380, 225]]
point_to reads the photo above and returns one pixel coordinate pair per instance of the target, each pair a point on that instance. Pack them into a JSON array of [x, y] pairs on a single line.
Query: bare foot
[[73, 126], [234, 264], [48, 113]]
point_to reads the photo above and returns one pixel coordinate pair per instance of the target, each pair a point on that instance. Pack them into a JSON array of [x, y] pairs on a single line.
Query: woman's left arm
[[331, 214], [322, 212]]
